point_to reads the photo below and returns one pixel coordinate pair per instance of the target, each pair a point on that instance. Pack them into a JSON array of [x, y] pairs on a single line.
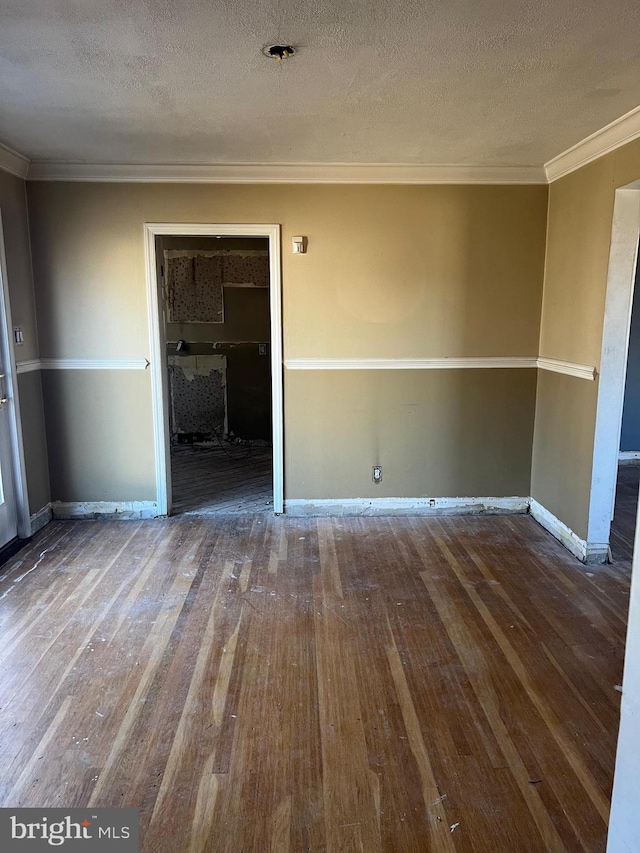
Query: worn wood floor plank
[[253, 683], [209, 480]]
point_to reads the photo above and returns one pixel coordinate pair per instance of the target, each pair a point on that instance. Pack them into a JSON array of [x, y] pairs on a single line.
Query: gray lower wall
[[34, 439], [436, 433], [400, 419], [88, 462], [563, 446]]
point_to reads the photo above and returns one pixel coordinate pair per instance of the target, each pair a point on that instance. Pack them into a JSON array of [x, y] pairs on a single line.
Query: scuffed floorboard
[[210, 481], [253, 683], [623, 526]]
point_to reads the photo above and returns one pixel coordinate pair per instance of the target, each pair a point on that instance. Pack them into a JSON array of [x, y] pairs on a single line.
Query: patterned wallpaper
[[198, 394], [195, 281]]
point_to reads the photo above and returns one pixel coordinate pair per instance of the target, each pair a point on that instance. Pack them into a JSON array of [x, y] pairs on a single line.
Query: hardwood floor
[[623, 526], [253, 683], [209, 481]]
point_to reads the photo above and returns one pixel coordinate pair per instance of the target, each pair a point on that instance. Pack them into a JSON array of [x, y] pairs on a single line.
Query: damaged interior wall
[[217, 297], [197, 395]]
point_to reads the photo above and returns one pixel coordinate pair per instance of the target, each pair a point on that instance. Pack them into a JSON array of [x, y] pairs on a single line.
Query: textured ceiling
[[383, 81]]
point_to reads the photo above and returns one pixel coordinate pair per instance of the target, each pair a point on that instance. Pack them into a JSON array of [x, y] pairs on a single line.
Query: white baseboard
[[591, 553], [406, 506], [629, 457], [40, 519], [104, 509]]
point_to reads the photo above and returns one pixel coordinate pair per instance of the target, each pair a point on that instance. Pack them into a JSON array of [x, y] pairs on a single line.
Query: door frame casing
[[157, 345], [18, 466], [623, 254]]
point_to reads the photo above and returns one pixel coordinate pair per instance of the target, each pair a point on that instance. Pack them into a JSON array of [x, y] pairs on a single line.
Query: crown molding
[[614, 135], [13, 162], [288, 173]]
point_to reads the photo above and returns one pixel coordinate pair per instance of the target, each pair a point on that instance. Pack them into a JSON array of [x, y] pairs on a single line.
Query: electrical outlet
[[262, 349], [377, 474], [18, 335]]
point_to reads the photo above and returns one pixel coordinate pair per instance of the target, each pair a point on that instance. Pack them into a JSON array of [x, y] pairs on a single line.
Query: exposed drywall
[[630, 435], [197, 385], [249, 392], [246, 319], [247, 379], [195, 281], [13, 205], [193, 287], [449, 433], [243, 335], [579, 237], [391, 271]]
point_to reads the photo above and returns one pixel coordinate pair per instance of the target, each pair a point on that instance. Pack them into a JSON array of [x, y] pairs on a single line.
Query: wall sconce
[[299, 245]]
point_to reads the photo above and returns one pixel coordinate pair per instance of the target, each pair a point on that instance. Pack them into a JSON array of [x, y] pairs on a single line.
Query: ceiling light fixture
[[278, 51]]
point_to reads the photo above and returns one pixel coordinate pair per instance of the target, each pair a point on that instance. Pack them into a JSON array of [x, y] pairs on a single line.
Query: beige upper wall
[[391, 271], [579, 237], [13, 205]]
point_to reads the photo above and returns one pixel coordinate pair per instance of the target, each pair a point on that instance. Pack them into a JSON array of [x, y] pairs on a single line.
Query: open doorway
[[218, 341], [216, 335], [614, 487], [623, 524]]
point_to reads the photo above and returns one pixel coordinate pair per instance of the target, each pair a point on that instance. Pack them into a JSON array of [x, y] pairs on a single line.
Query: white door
[[8, 508]]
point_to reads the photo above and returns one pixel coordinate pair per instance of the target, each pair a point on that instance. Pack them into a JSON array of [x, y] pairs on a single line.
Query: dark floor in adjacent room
[[254, 683], [623, 526], [212, 479]]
